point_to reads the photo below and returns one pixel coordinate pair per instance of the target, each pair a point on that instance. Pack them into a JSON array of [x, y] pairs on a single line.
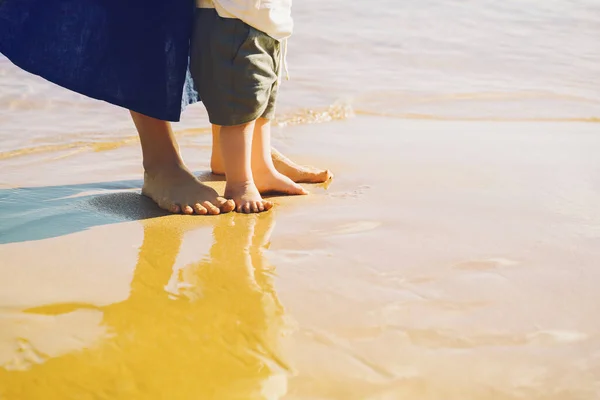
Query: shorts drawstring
[[283, 61]]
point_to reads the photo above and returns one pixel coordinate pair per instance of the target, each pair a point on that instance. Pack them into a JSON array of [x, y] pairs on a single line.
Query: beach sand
[[446, 260]]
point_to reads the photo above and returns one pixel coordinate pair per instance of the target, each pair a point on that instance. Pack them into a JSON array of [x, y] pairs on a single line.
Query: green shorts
[[235, 69]]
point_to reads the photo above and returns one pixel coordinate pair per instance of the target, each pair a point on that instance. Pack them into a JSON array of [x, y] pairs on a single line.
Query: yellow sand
[[447, 260]]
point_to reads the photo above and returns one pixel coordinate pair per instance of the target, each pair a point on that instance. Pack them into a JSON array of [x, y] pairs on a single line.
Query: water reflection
[[209, 330]]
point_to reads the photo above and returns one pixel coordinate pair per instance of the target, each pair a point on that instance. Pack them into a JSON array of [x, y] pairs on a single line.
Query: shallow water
[[432, 59]]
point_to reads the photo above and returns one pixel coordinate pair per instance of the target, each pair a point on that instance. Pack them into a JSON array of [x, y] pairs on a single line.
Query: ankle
[[240, 183], [216, 165], [262, 166], [239, 176], [158, 166]]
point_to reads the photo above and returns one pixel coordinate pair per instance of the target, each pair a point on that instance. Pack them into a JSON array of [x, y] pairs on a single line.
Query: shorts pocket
[[254, 63], [241, 35]]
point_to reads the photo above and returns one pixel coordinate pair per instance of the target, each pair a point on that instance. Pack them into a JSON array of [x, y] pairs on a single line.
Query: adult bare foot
[[166, 180], [246, 197], [176, 190]]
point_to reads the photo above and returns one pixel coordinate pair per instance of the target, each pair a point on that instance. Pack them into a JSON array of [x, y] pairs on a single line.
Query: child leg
[[236, 147], [249, 168]]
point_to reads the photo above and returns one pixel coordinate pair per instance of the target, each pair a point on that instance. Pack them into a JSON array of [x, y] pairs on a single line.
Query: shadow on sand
[[35, 213]]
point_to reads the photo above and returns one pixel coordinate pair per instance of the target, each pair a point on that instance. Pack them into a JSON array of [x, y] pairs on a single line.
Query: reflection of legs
[[238, 243], [263, 271], [156, 259], [297, 173], [231, 252], [237, 327], [236, 257], [166, 179]]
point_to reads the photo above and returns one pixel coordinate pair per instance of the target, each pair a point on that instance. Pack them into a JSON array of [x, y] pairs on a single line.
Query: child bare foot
[[276, 183], [176, 190], [250, 170], [246, 197], [297, 173]]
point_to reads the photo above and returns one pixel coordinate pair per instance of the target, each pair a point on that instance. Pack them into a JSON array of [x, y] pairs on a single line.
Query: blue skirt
[[131, 53]]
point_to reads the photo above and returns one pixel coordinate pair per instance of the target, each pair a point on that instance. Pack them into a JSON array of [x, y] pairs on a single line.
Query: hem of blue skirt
[[166, 116]]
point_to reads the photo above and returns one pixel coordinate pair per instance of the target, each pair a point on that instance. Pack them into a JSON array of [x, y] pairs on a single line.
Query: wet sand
[[447, 260]]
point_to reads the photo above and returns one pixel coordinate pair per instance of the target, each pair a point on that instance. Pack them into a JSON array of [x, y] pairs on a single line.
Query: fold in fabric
[[130, 53]]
